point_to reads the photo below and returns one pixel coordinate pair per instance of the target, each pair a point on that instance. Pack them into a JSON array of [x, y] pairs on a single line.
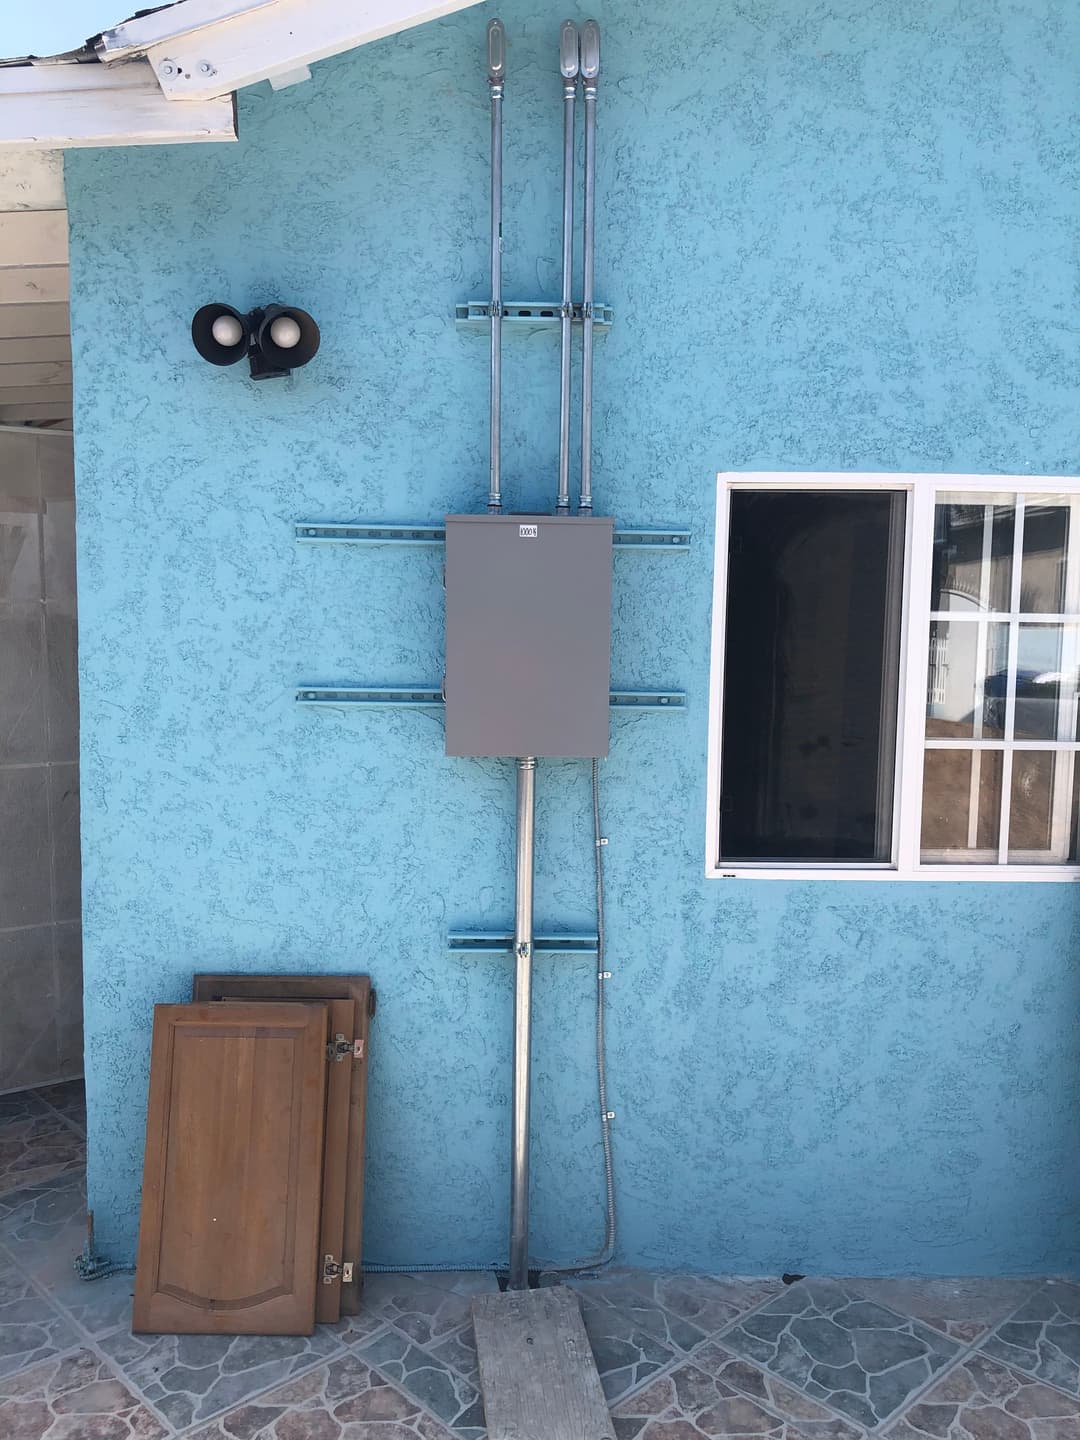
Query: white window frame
[[915, 618]]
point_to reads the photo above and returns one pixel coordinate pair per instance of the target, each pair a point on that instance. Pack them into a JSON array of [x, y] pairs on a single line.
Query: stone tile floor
[[682, 1357]]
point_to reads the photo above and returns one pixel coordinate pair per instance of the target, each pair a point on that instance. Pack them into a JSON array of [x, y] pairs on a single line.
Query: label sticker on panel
[[528, 532]]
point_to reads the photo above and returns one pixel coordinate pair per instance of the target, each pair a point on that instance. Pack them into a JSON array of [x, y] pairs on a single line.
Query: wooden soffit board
[[232, 1181]]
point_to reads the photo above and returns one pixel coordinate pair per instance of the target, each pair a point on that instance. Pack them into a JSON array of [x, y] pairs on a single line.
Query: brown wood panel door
[[232, 1181], [323, 987]]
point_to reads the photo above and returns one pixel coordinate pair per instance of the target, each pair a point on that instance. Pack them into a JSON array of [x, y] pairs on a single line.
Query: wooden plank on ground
[[46, 318], [537, 1371], [36, 349], [33, 237], [33, 283]]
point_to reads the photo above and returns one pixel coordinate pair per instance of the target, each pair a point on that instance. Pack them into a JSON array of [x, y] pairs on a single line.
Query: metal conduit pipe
[[496, 38], [523, 955], [590, 73], [569, 66]]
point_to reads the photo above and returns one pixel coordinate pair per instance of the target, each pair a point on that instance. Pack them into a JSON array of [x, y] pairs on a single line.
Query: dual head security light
[[276, 339]]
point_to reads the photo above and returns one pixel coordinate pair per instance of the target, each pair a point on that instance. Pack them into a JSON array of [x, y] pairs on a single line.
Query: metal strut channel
[[341, 534], [528, 315], [431, 697], [501, 942]]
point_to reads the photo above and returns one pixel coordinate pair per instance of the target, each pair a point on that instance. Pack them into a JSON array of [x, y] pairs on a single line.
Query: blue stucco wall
[[835, 237]]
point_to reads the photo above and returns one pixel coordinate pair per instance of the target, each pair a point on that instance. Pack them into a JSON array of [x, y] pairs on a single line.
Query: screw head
[[168, 69], [205, 68]]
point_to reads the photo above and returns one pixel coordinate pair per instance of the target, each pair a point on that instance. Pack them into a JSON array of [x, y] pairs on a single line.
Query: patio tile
[[194, 1377], [445, 1392], [36, 1148], [810, 1417], [688, 1404], [459, 1352], [982, 1400], [69, 1097], [30, 1328], [18, 1106], [33, 1219], [862, 1359], [424, 1310], [1043, 1337], [99, 1306], [344, 1398], [963, 1308], [626, 1355], [353, 1329], [77, 1397], [679, 1309]]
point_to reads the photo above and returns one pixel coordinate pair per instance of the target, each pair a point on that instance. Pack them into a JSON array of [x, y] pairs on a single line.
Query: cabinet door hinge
[[332, 1271], [341, 1049]]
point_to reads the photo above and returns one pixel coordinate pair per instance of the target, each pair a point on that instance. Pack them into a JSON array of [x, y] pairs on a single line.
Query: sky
[[46, 29]]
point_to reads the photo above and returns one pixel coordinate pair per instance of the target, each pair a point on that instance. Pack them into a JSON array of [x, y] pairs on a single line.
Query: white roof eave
[[200, 49], [190, 57]]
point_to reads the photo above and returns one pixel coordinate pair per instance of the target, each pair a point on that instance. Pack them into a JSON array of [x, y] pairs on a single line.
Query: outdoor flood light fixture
[[276, 339]]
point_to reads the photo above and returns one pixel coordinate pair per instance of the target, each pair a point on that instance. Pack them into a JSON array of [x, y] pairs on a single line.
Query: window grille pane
[[1002, 683], [1045, 683], [1042, 818], [1042, 573], [810, 675], [973, 553], [965, 683], [961, 805]]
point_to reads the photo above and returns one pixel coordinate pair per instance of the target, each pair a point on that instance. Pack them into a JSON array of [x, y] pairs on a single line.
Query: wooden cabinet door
[[357, 988], [232, 1181], [335, 1160]]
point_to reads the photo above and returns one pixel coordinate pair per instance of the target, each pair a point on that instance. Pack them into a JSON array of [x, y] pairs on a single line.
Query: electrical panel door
[[528, 635]]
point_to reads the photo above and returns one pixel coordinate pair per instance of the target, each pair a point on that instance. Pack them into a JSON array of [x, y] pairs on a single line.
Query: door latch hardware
[[341, 1049], [332, 1271]]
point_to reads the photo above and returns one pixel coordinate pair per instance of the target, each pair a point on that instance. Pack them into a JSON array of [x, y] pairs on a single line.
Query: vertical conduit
[[590, 71], [496, 37], [523, 952], [569, 66]]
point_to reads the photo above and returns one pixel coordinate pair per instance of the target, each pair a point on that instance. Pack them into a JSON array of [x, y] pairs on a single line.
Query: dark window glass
[[810, 675]]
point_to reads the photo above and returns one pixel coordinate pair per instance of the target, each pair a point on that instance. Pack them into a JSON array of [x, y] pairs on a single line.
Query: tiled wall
[[40, 893]]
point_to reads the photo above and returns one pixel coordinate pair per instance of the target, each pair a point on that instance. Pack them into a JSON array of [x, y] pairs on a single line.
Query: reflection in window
[[997, 686], [973, 554]]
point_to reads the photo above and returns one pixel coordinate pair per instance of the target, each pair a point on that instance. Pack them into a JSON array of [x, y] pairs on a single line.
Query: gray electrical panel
[[528, 635]]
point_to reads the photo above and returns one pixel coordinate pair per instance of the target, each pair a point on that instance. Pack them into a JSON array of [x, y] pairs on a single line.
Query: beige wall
[[40, 905]]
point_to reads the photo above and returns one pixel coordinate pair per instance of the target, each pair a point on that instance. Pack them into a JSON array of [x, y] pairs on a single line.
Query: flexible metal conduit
[[605, 1256]]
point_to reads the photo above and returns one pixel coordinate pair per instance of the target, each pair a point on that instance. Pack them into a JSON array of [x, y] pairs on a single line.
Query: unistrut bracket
[[529, 315], [501, 942], [428, 697], [333, 533]]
